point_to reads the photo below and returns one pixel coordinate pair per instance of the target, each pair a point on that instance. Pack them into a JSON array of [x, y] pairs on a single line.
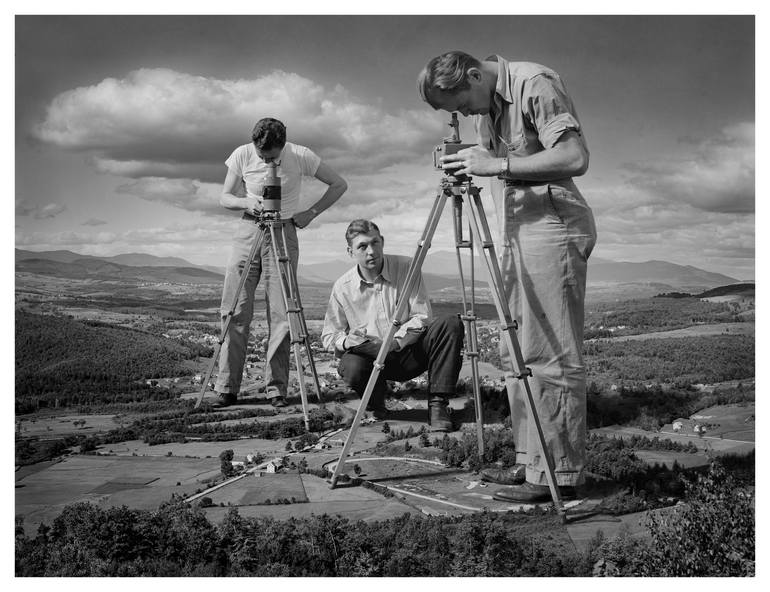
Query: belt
[[523, 183], [284, 221]]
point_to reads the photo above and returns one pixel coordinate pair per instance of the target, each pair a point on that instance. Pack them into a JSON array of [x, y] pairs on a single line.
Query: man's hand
[[472, 161], [355, 337], [378, 342], [302, 219], [253, 206]]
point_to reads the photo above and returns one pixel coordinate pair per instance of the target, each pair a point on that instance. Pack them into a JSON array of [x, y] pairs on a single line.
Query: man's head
[[269, 137], [455, 81], [365, 244]]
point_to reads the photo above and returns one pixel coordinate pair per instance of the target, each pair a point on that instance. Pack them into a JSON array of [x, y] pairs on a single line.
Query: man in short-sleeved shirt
[[296, 162], [530, 139], [247, 169]]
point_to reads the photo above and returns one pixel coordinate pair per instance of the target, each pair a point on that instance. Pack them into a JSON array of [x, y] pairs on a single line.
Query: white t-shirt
[[295, 162]]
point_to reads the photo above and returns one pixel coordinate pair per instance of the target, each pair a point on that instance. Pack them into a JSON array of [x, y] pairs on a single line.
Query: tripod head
[[271, 193]]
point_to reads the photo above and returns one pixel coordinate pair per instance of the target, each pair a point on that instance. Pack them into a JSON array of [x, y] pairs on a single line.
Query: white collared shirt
[[358, 304]]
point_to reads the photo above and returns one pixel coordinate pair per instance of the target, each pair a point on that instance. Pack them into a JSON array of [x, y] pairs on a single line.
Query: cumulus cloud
[[714, 175], [159, 122], [185, 194], [39, 212]]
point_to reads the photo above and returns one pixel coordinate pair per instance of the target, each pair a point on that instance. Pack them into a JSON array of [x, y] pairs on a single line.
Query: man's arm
[[420, 314], [229, 200], [335, 325], [567, 158], [337, 186]]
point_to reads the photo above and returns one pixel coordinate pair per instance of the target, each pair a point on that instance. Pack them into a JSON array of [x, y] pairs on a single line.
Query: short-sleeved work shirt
[[531, 110], [295, 162]]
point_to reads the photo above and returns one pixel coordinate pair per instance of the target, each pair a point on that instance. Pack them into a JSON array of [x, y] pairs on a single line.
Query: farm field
[[742, 328], [734, 433], [354, 503], [256, 489], [632, 524], [140, 482], [47, 426]]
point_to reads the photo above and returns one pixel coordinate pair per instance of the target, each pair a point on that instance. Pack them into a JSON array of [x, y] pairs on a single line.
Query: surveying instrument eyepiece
[[271, 237], [461, 190]]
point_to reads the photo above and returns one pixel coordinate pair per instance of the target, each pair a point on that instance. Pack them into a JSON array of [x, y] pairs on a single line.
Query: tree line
[[713, 534]]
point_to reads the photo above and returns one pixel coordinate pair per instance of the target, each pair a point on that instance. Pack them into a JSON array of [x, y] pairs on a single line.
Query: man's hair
[[360, 226], [269, 133], [445, 73]]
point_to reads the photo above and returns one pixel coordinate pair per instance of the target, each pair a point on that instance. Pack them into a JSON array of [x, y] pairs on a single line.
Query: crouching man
[[360, 313]]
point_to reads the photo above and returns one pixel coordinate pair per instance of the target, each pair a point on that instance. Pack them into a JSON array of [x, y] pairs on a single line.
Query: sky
[[123, 124]]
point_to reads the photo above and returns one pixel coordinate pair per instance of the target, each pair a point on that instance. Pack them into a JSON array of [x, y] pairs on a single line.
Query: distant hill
[[659, 272], [133, 259], [130, 259], [439, 270], [443, 264], [323, 273], [75, 362], [100, 269], [747, 289]]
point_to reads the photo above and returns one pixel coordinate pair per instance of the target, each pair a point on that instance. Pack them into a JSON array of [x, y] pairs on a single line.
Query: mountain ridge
[[442, 265]]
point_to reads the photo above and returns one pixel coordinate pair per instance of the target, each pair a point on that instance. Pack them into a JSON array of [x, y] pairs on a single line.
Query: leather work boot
[[514, 475], [530, 493], [276, 397], [226, 399], [440, 419]]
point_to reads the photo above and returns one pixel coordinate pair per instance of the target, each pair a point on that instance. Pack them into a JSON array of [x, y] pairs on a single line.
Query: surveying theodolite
[[460, 187], [269, 221]]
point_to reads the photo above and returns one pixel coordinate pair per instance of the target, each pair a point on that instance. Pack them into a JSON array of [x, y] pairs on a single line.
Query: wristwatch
[[315, 212], [504, 166]]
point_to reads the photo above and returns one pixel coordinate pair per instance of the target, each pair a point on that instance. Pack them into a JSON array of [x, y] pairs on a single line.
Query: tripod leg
[[469, 320], [496, 283], [231, 311], [410, 285], [302, 330], [281, 258]]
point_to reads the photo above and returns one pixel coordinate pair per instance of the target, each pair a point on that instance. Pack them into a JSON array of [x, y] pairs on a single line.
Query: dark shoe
[[378, 411], [530, 493], [226, 399], [440, 420], [278, 402], [514, 475]]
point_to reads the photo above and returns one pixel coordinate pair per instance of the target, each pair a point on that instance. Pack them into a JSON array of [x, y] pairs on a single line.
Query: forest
[[60, 361], [632, 317], [680, 361]]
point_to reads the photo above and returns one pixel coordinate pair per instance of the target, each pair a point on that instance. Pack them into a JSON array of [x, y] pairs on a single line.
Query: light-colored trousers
[[548, 233], [233, 353]]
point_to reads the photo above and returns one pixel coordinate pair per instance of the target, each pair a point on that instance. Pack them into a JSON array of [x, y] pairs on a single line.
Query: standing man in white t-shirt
[[247, 169]]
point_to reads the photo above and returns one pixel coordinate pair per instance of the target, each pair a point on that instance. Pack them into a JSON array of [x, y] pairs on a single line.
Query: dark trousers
[[438, 350]]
